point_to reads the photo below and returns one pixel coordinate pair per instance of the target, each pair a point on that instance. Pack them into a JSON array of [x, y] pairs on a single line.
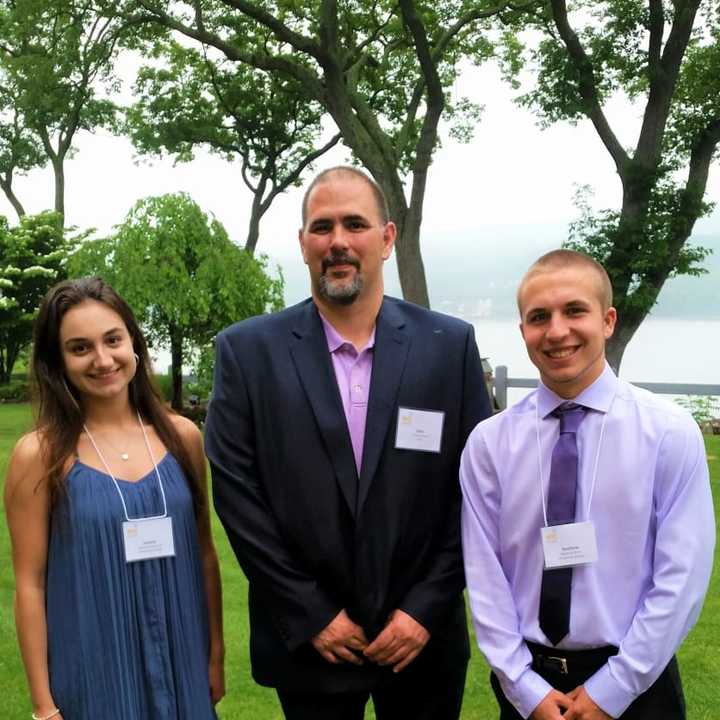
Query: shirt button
[[357, 388]]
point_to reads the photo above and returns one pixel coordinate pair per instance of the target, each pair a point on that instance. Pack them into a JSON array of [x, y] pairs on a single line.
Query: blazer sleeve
[[299, 606], [429, 600]]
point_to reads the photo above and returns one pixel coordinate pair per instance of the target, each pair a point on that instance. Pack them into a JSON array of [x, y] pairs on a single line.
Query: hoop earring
[[137, 358], [69, 392]]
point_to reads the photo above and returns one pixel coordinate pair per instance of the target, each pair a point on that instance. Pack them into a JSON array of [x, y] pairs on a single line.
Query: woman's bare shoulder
[[27, 465], [28, 448], [187, 429]]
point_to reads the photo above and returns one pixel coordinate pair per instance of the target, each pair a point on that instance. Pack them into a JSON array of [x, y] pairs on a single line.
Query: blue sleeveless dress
[[126, 641]]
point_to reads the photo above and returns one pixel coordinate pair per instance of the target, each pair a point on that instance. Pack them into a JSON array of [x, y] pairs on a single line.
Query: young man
[[334, 435], [587, 522]]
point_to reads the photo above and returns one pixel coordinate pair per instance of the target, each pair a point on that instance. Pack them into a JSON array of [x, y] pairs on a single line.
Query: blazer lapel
[[391, 348], [308, 347]]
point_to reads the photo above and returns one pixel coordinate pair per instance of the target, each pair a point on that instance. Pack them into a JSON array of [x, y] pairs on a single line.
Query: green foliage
[[703, 408], [265, 120], [613, 34], [17, 391], [56, 75], [20, 149], [164, 383], [189, 99], [180, 273], [665, 58], [697, 98], [597, 233], [382, 70], [32, 258], [203, 367]]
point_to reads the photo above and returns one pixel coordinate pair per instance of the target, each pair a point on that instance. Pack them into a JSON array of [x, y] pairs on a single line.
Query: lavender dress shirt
[[353, 371], [653, 516]]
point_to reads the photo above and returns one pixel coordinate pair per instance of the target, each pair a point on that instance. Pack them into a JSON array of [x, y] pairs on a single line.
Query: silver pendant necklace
[[124, 456]]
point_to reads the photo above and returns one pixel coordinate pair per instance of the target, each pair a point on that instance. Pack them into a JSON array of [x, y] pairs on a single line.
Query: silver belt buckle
[[563, 664]]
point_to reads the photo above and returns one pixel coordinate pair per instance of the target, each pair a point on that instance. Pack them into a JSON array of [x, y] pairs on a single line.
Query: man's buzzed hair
[[562, 259], [348, 171]]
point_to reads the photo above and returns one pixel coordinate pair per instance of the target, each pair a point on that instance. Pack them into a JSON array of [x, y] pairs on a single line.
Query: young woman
[[118, 605]]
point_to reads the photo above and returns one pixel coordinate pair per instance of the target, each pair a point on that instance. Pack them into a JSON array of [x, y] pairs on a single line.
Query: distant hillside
[[477, 276]]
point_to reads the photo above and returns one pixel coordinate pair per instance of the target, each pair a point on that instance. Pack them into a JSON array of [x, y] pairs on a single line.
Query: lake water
[[662, 350]]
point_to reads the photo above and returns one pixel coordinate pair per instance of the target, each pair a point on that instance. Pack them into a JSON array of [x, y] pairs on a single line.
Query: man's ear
[[301, 240], [389, 236], [609, 322]]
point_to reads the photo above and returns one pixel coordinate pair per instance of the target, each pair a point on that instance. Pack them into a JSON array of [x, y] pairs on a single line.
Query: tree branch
[[328, 30], [291, 177], [6, 184], [403, 136], [663, 82], [656, 27], [281, 31], [435, 103], [690, 207], [701, 157], [356, 56], [428, 66], [245, 155], [469, 17], [261, 61], [588, 86]]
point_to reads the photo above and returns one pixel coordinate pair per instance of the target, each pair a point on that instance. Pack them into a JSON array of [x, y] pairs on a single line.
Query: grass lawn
[[699, 656]]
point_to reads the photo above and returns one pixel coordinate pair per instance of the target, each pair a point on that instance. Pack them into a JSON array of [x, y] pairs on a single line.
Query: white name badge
[[419, 430], [148, 539], [569, 545]]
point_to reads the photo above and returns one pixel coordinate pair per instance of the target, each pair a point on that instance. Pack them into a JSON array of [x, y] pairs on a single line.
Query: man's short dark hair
[[561, 259], [348, 171]]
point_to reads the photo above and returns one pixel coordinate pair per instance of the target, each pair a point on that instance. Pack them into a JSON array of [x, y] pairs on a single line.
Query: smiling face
[[565, 326], [344, 240], [97, 350]]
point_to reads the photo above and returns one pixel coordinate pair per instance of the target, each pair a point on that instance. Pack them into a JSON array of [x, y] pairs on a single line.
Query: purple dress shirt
[[653, 517], [353, 371]]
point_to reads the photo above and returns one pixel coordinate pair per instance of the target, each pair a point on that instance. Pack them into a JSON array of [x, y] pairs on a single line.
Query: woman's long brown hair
[[59, 411]]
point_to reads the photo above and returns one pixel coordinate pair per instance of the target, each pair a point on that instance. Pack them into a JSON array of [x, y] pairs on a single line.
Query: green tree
[[56, 75], [182, 275], [236, 112], [32, 259], [380, 69], [20, 150], [665, 58]]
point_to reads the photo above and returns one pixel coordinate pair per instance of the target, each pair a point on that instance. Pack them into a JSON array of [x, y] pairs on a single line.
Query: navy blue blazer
[[313, 537]]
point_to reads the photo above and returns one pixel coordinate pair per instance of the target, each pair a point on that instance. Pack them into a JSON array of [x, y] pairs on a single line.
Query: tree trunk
[[253, 235], [407, 254], [6, 186], [8, 358], [59, 173], [176, 367], [624, 330], [377, 156]]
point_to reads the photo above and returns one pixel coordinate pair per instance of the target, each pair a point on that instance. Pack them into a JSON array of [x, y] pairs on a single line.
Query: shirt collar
[[598, 396], [335, 340]]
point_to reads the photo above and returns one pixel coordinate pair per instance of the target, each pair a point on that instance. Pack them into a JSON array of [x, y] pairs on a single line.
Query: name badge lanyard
[[117, 486], [595, 466]]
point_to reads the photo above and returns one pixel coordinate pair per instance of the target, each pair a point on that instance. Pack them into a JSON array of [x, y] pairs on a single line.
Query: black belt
[[566, 662]]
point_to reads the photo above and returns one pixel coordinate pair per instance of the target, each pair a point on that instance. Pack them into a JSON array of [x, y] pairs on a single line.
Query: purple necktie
[[555, 591]]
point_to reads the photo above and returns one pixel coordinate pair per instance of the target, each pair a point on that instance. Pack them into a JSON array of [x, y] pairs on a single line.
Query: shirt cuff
[[607, 693], [526, 692]]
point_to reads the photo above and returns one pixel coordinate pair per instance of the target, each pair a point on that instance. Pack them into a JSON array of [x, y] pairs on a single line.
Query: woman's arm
[[192, 439], [27, 505]]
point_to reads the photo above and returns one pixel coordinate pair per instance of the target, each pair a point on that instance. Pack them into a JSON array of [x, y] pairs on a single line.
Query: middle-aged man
[[334, 435], [610, 493]]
